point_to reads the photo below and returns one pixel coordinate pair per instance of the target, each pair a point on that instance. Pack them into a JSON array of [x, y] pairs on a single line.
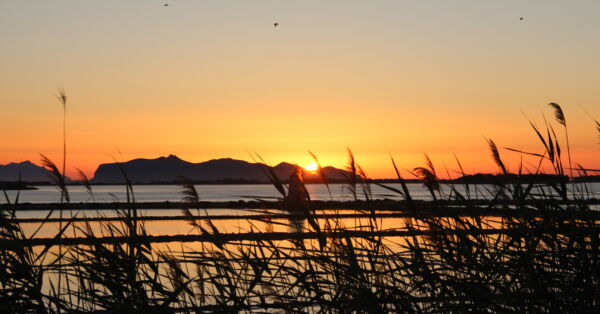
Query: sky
[[211, 79]]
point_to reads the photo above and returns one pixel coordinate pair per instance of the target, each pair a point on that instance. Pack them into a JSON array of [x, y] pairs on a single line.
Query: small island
[[6, 186]]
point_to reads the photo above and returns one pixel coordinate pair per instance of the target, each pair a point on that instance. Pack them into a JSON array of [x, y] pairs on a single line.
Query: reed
[[85, 181], [62, 97], [597, 127], [540, 258]]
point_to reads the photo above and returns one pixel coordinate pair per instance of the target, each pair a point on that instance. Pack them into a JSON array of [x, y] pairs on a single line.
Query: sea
[[235, 192], [219, 193]]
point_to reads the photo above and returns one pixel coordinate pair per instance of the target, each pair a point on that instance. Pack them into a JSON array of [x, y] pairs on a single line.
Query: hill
[[25, 171], [168, 169]]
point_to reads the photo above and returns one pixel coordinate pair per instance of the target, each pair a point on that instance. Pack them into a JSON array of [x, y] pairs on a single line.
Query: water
[[220, 193], [215, 193], [190, 253]]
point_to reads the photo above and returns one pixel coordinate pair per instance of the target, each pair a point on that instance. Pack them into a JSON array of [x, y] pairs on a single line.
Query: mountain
[[27, 171], [284, 170], [168, 169]]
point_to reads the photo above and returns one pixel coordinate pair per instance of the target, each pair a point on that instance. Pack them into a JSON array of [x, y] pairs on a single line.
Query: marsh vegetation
[[526, 247]]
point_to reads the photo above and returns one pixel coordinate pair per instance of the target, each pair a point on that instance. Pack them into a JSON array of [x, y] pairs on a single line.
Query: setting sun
[[373, 156], [311, 167]]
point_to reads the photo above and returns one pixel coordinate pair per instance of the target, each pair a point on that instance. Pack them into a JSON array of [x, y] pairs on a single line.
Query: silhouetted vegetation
[[531, 246]]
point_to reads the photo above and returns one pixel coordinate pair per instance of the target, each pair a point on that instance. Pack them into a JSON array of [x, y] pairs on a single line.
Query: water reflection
[[297, 225], [262, 223], [222, 193]]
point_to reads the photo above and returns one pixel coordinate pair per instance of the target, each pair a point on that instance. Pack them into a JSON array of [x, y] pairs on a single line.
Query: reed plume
[[428, 178], [352, 177], [558, 113], [85, 181], [405, 191], [429, 164], [496, 156], [190, 194], [56, 177], [364, 182], [321, 173], [560, 118], [269, 173], [62, 97], [191, 197]]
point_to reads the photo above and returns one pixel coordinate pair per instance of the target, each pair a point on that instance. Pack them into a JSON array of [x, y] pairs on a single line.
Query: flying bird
[[521, 18], [275, 24], [166, 5]]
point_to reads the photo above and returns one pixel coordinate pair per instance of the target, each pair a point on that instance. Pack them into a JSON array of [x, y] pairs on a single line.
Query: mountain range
[[226, 170], [25, 171], [168, 169]]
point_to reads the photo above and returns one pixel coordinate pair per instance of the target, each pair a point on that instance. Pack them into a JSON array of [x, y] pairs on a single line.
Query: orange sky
[[208, 79]]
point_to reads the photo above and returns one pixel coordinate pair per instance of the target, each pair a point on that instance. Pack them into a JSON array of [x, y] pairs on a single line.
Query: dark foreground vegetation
[[544, 257]]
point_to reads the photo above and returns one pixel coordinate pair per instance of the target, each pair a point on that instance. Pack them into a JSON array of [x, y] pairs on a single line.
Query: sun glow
[[312, 167]]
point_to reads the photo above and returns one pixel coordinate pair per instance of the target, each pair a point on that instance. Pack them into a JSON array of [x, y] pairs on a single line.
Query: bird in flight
[[275, 24], [166, 5], [521, 18]]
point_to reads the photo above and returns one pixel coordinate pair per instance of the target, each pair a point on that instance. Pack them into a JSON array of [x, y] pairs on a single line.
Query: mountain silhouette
[[284, 170], [168, 169], [26, 171]]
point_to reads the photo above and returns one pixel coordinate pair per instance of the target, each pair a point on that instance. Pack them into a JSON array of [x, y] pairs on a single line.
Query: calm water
[[157, 193], [154, 193]]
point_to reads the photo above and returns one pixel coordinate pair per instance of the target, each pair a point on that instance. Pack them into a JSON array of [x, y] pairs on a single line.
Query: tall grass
[[537, 253], [24, 268]]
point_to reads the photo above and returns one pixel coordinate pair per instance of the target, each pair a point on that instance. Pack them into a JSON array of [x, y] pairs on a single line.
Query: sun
[[312, 167]]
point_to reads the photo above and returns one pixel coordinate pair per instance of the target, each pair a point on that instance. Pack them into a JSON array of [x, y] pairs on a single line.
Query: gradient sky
[[210, 79]]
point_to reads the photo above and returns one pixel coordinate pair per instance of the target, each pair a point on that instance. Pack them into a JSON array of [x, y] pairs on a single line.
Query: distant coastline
[[226, 171], [9, 186], [468, 179]]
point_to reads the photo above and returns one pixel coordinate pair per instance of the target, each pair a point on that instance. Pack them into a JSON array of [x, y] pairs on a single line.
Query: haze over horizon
[[212, 79]]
